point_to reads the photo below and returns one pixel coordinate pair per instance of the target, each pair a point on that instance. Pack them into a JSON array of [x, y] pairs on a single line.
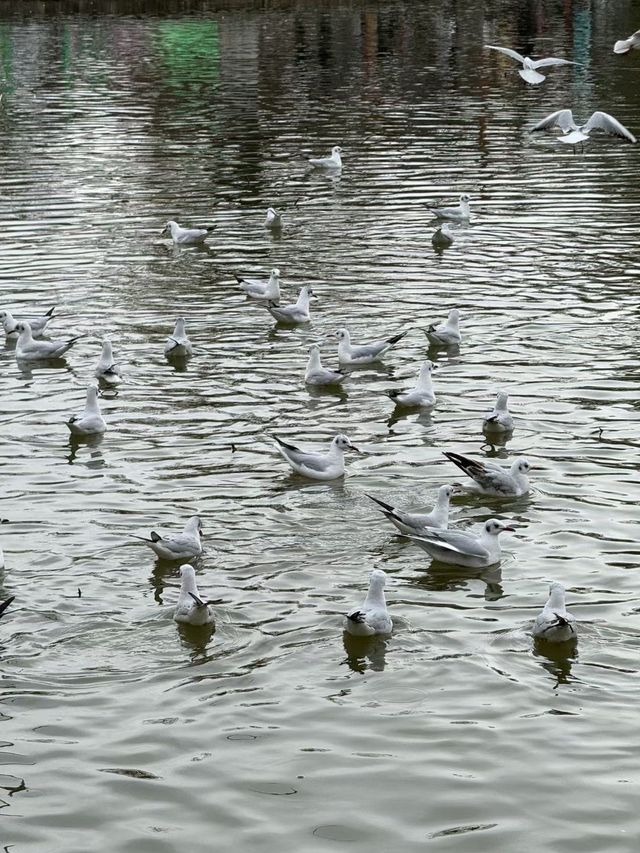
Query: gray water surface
[[122, 732]]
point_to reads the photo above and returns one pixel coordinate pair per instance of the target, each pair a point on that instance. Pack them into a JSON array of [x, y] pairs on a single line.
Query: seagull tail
[[5, 604]]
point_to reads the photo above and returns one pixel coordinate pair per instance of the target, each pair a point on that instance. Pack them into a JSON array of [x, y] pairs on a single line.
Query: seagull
[[316, 374], [528, 71], [446, 334], [295, 313], [107, 370], [414, 522], [38, 324], [372, 617], [178, 345], [5, 604], [555, 623], [363, 353], [461, 213], [475, 551], [273, 220], [186, 236], [177, 546], [625, 45], [29, 350], [500, 418], [574, 134], [494, 479], [443, 237], [191, 609], [262, 288], [90, 422], [317, 466], [332, 162], [421, 395]]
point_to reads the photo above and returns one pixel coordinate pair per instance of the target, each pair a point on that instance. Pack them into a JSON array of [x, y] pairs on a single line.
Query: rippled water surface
[[120, 731]]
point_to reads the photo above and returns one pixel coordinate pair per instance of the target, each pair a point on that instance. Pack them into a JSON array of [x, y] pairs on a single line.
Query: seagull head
[[167, 227], [336, 150], [343, 443], [377, 579], [465, 198], [502, 400], [494, 527], [522, 466], [447, 492], [275, 272], [343, 335]]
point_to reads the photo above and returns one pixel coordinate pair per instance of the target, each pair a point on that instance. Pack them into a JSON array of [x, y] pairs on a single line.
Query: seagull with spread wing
[[574, 134], [529, 71]]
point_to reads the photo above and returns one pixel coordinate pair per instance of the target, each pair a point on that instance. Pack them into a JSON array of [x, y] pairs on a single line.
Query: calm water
[[121, 732]]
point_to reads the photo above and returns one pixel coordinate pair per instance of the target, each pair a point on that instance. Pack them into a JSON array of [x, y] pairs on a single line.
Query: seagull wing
[[506, 50], [625, 45], [453, 542], [562, 119], [545, 63], [607, 123]]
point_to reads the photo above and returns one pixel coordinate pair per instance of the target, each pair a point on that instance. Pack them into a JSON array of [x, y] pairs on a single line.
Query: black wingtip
[[155, 537], [357, 617], [50, 312], [210, 228], [396, 338], [198, 600], [6, 603], [386, 507]]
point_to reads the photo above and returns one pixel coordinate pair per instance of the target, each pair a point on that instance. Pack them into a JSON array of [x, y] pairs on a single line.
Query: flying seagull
[[528, 71]]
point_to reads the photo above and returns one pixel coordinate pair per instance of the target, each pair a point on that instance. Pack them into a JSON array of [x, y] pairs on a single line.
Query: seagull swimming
[[416, 522], [499, 419], [177, 546], [363, 353], [317, 466], [625, 45], [574, 134], [443, 237], [90, 422], [332, 162], [372, 617], [493, 479], [555, 624], [191, 609], [262, 288], [29, 350], [421, 395], [178, 345], [475, 551], [461, 213], [316, 374], [528, 71], [446, 334], [5, 604], [38, 324], [295, 313], [107, 370], [273, 219], [186, 236]]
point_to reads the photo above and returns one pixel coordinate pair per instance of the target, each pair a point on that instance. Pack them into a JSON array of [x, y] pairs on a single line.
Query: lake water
[[118, 730]]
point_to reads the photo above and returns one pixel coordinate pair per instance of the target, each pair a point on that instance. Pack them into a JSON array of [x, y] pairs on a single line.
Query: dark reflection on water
[[118, 116]]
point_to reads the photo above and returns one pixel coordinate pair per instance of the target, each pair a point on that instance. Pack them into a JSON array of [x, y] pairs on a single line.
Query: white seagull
[[177, 546], [29, 350], [528, 71], [443, 237], [475, 551], [186, 236], [446, 334], [421, 395], [191, 609], [107, 370], [555, 624], [499, 419], [363, 353], [332, 162], [273, 220], [295, 313], [493, 479], [316, 374], [38, 324], [178, 345], [416, 522], [317, 466], [372, 617], [625, 45], [574, 134], [460, 213], [90, 422], [267, 289]]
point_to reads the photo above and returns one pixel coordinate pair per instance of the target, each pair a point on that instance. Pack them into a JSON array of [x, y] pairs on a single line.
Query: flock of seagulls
[[429, 530]]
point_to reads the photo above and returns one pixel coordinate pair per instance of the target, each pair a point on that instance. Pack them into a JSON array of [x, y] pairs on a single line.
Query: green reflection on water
[[190, 51]]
